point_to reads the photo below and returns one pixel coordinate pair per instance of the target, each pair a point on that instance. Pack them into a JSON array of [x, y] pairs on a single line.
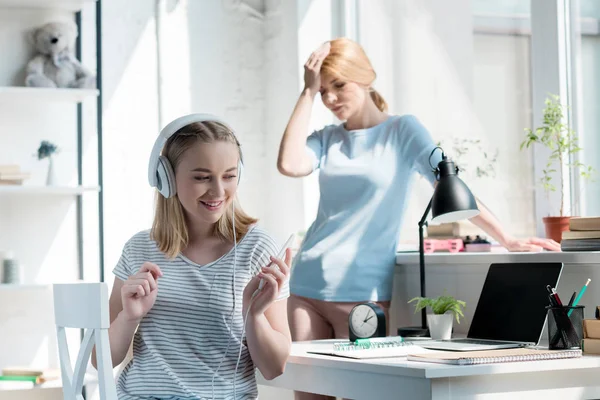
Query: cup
[[565, 327]]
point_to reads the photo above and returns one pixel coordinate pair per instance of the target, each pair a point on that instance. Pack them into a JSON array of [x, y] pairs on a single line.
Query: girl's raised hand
[[275, 275], [312, 68], [139, 291]]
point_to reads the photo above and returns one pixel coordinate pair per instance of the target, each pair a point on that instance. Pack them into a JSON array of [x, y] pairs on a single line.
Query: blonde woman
[[365, 167], [184, 289]]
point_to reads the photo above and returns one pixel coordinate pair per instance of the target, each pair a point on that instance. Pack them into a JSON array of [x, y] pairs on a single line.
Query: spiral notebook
[[373, 348], [493, 356]]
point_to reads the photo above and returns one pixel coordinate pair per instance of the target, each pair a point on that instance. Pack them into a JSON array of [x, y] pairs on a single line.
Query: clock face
[[363, 321]]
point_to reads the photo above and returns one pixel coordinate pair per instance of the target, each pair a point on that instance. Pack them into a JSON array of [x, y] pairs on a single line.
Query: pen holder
[[565, 327]]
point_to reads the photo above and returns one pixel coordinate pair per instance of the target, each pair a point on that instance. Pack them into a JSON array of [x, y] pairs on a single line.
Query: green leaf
[[440, 305]]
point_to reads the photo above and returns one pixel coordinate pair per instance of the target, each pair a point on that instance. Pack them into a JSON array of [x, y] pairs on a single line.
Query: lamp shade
[[452, 200]]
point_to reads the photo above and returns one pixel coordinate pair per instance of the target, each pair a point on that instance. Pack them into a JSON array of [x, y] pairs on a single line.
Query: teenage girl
[[183, 290]]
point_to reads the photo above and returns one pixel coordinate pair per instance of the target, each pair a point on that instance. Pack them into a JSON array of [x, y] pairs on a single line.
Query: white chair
[[84, 306]]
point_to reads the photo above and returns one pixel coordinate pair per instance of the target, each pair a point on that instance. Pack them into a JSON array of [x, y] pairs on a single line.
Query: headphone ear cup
[[166, 178]]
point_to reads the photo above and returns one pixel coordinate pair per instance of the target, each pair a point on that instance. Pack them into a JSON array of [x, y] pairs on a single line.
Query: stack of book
[[471, 236], [12, 175], [591, 336], [24, 377], [453, 230], [583, 235]]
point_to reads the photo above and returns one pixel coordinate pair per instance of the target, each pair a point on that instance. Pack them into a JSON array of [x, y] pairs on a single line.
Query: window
[[463, 70]]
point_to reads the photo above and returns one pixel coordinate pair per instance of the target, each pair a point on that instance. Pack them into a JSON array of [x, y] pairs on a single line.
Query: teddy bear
[[55, 64]]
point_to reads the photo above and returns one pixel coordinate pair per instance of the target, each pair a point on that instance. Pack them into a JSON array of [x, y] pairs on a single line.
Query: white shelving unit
[[67, 5], [18, 286], [53, 231], [29, 94], [50, 190]]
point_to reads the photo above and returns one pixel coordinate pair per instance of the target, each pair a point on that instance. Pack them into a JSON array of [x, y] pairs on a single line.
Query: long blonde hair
[[169, 228], [348, 61]]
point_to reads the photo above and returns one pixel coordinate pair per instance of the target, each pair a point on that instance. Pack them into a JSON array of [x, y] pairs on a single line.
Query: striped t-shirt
[[181, 341]]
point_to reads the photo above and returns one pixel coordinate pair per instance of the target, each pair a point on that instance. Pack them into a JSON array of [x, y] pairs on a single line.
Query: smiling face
[[207, 179], [343, 98]]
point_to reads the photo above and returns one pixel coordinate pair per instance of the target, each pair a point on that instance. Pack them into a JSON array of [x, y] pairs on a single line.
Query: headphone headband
[[169, 131]]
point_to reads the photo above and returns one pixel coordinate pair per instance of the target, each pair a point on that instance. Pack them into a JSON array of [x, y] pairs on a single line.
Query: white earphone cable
[[212, 384]]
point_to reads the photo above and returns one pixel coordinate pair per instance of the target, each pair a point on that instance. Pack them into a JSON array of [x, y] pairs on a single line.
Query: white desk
[[399, 379]]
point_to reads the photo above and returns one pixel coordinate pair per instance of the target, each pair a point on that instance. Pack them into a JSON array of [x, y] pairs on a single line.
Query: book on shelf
[[21, 378], [28, 374], [580, 244], [452, 230], [11, 182], [591, 328], [493, 356], [581, 235], [591, 346], [15, 176], [9, 169], [584, 224]]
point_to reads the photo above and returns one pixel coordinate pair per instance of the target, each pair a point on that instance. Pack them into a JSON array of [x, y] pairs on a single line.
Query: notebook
[[377, 348], [493, 356]]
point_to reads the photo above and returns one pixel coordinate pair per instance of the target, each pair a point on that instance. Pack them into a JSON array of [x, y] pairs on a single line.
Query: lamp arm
[[423, 223]]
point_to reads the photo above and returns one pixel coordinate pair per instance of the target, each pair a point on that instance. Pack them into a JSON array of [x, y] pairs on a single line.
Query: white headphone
[[161, 174]]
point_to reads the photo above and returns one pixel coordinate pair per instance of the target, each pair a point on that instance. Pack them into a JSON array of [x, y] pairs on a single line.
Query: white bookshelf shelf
[[52, 190], [23, 286], [22, 93], [67, 5]]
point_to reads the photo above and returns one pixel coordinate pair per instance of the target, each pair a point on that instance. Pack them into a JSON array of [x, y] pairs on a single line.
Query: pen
[[581, 292], [555, 295], [552, 301], [571, 300]]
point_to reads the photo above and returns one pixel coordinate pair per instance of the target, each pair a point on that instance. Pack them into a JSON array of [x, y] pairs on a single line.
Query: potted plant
[[444, 309], [562, 142], [47, 150]]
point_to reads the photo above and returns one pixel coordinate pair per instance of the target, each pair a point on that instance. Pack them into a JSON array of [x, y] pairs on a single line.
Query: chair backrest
[[84, 306]]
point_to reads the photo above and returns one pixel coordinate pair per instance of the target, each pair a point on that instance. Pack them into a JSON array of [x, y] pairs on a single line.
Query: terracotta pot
[[555, 226]]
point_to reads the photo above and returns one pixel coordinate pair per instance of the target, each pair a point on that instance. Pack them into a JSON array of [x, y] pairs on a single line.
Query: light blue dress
[[348, 253]]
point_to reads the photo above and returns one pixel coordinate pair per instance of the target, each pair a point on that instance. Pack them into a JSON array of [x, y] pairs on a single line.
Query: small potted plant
[[562, 142], [444, 309], [47, 150]]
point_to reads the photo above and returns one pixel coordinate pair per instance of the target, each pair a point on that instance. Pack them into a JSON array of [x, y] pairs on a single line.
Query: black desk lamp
[[451, 201]]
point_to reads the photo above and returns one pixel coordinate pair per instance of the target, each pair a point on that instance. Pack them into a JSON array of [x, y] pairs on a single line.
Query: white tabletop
[[400, 366]]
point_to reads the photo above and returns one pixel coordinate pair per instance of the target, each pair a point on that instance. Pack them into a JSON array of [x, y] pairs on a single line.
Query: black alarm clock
[[366, 320]]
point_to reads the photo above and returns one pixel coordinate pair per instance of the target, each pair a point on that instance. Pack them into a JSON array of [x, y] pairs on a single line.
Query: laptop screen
[[513, 301]]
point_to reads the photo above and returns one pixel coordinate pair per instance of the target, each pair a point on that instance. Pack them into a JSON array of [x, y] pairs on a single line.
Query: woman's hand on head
[[533, 244], [139, 291], [312, 68], [275, 276]]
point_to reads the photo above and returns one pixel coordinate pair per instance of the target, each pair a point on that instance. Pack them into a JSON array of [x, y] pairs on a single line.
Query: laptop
[[511, 311]]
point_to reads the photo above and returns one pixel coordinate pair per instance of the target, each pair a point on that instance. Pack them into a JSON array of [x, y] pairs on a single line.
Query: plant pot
[[555, 226], [440, 325]]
